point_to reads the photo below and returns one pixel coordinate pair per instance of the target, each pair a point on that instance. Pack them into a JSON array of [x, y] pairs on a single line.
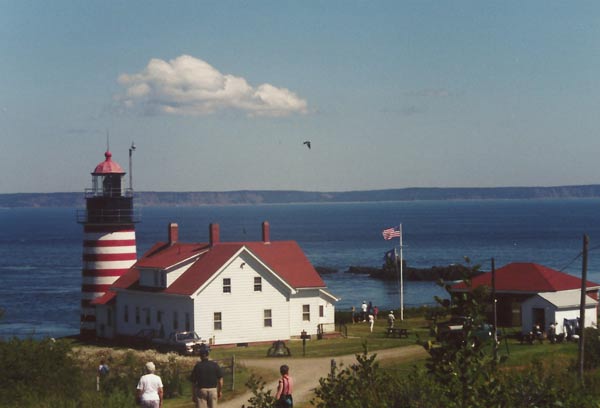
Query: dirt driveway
[[307, 371]]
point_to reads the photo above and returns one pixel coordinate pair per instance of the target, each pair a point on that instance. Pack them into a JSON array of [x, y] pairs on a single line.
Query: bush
[[360, 385], [260, 398], [591, 348], [40, 371]]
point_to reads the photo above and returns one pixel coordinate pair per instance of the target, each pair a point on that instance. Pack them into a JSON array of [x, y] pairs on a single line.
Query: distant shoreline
[[254, 197]]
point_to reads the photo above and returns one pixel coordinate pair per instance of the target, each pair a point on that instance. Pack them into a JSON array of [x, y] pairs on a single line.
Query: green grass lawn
[[358, 334], [518, 355]]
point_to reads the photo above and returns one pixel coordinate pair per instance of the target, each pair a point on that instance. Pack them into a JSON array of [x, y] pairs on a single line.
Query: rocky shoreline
[[433, 274]]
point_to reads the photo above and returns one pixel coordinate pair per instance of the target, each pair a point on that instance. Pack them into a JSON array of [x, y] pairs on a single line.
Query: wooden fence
[[228, 368]]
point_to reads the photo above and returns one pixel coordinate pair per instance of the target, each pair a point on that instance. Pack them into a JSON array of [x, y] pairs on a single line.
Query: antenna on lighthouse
[[131, 149], [107, 141]]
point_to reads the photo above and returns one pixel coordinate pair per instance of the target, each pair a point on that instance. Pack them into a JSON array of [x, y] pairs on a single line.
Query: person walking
[[150, 388], [285, 387], [363, 310], [103, 368], [391, 319], [371, 322], [207, 379], [102, 373]]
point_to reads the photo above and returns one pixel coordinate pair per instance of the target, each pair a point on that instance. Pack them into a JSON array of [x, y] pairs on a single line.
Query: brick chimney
[[173, 233], [213, 233], [266, 232]]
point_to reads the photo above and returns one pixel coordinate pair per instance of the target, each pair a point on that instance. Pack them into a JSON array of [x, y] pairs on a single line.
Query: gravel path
[[307, 371]]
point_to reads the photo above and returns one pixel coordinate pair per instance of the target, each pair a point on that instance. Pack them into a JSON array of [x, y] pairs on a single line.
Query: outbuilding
[[546, 308], [517, 282]]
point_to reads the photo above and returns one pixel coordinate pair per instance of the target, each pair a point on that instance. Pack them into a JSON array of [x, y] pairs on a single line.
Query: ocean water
[[40, 249]]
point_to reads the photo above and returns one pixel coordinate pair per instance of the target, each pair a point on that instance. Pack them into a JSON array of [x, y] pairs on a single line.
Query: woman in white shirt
[[150, 388]]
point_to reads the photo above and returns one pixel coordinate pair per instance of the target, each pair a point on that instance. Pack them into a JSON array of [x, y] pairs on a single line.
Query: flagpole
[[401, 279]]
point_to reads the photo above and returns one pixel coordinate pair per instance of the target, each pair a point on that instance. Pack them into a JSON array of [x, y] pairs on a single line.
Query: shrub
[[260, 398], [591, 348], [361, 385], [38, 371]]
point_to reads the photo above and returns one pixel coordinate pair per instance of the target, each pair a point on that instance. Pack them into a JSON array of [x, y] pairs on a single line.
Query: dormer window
[[154, 278]]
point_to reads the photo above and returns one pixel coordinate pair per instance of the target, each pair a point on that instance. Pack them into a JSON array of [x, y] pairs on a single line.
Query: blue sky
[[221, 95]]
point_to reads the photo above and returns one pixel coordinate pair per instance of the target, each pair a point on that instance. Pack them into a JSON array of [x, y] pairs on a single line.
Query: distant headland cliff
[[191, 199]]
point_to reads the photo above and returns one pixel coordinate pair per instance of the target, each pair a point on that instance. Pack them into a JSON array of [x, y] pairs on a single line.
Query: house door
[[539, 317]]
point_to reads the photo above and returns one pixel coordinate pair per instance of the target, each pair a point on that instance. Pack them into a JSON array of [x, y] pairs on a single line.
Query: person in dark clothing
[[207, 378]]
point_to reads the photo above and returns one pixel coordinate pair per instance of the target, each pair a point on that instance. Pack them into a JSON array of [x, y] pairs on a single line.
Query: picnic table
[[397, 332]]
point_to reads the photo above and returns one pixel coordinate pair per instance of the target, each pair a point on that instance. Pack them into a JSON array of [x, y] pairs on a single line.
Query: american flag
[[390, 233]]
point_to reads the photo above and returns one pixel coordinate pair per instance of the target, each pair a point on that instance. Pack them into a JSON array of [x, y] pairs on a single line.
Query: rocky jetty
[[435, 273], [325, 270]]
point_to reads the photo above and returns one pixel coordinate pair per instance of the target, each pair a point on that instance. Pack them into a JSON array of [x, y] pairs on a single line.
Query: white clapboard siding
[[242, 310], [297, 323], [168, 305]]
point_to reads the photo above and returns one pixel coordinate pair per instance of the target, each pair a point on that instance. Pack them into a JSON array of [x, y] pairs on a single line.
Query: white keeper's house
[[227, 292]]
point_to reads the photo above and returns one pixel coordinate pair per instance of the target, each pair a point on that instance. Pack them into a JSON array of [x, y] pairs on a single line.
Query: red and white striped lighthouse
[[109, 247]]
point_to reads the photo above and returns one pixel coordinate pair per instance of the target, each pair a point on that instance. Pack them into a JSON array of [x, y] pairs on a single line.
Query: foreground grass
[[517, 355]]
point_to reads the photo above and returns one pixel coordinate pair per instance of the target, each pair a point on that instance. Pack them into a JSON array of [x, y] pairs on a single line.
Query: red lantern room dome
[[108, 166]]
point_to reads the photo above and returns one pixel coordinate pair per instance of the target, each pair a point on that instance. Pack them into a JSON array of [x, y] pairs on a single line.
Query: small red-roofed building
[[517, 282], [227, 292]]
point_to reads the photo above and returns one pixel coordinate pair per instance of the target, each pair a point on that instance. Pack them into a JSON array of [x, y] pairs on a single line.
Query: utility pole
[[584, 261]]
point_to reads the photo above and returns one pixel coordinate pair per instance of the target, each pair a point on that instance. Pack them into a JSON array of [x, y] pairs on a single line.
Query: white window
[[218, 323], [321, 311], [268, 319], [306, 313], [258, 284], [226, 285]]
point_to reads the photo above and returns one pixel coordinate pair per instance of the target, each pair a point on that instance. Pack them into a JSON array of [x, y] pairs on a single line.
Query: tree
[[361, 385], [461, 365], [260, 398]]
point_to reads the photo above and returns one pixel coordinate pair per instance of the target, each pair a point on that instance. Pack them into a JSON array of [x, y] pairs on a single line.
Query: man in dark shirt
[[208, 381]]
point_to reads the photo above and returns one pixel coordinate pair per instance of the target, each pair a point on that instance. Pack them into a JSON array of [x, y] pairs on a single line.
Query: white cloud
[[190, 86]]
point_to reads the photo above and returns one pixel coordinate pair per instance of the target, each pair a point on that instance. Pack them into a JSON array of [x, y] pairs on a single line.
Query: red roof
[[284, 258], [108, 166], [162, 255], [528, 278]]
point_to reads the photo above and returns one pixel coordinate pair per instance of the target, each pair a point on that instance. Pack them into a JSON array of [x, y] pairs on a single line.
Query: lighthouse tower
[[109, 247]]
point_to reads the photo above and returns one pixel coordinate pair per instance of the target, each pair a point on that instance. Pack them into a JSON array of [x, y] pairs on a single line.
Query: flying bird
[[307, 143]]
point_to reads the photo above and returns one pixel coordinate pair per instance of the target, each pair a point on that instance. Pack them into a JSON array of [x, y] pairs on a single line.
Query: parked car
[[185, 342], [143, 338], [140, 340], [452, 330]]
